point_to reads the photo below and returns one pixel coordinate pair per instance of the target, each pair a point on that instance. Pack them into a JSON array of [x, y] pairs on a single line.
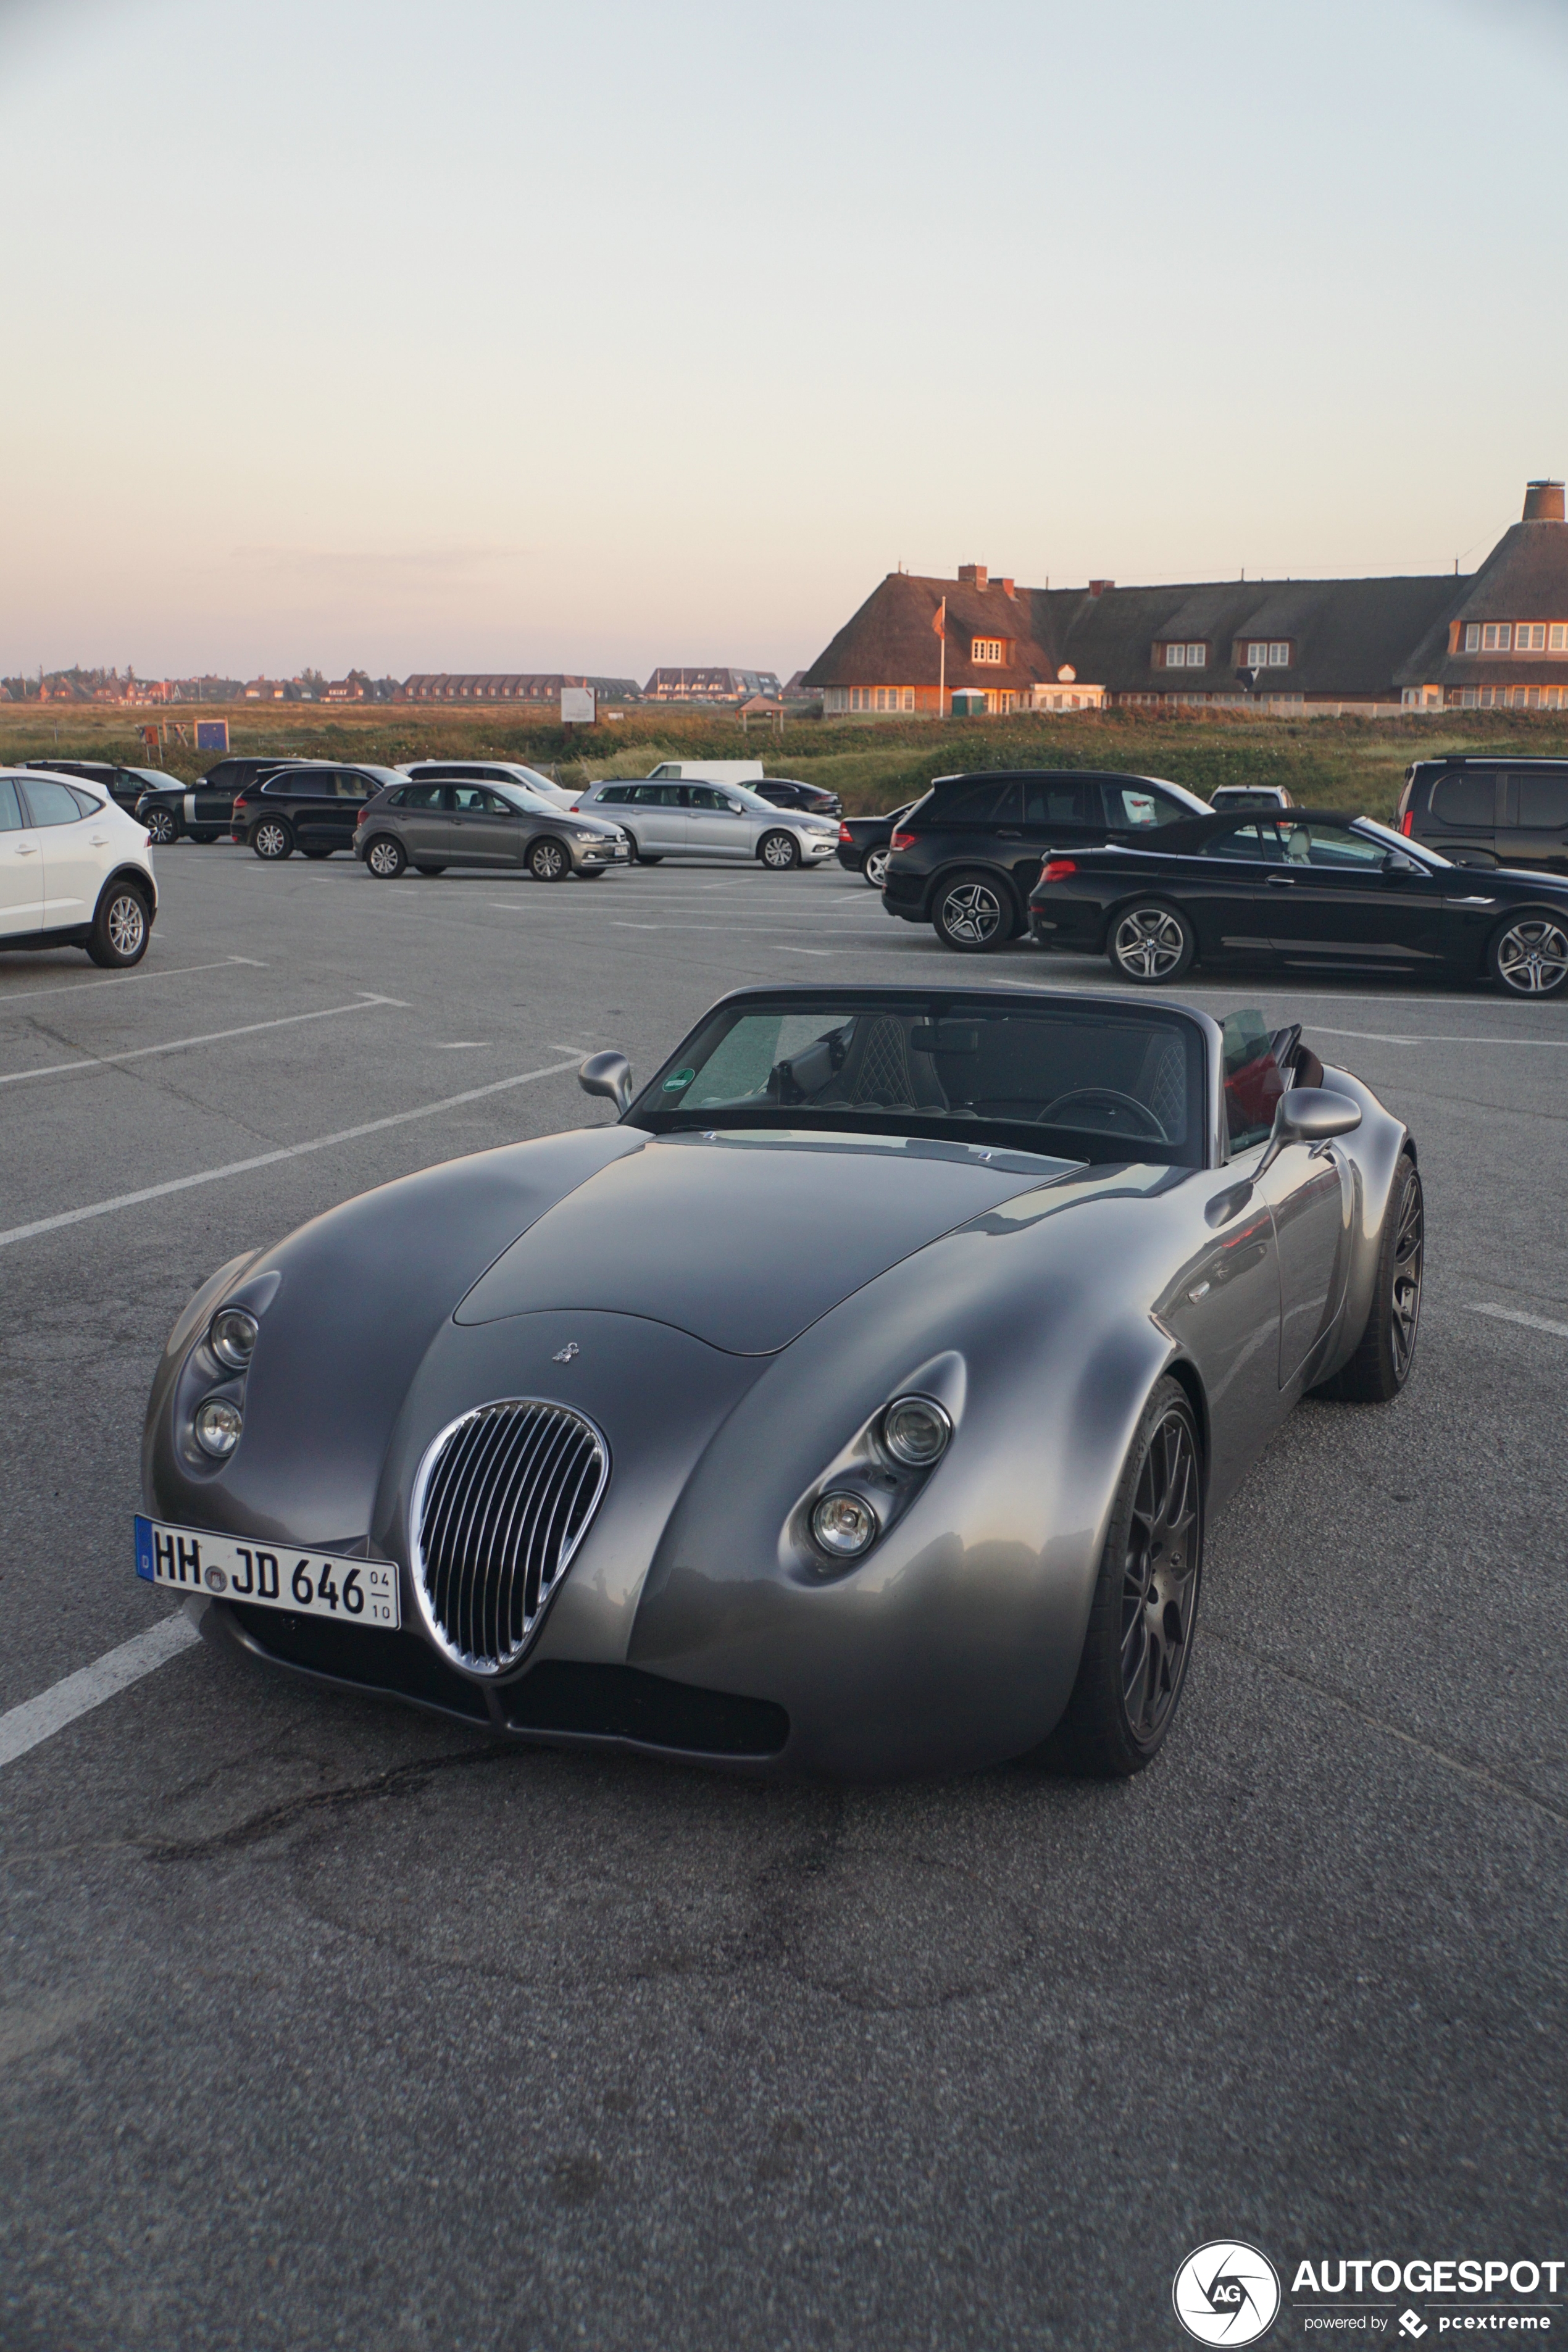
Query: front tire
[[1152, 944], [385, 858], [162, 827], [1144, 1612], [547, 862], [272, 840], [778, 852], [874, 866], [1381, 1365], [974, 914], [120, 928], [1529, 956]]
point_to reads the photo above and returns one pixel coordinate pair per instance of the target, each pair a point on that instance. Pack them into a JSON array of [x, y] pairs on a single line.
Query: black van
[[1490, 812]]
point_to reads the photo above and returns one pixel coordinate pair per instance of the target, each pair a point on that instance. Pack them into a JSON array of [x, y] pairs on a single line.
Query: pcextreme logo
[[1226, 2293]]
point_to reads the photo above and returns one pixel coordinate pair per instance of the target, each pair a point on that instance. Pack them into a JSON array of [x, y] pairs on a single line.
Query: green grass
[[1354, 764]]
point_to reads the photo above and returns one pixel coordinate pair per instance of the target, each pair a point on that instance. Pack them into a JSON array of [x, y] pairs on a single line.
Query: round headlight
[[845, 1524], [916, 1431], [233, 1337], [218, 1425]]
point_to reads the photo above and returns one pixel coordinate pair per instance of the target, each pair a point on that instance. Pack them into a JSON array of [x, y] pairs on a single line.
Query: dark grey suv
[[433, 826], [1489, 812]]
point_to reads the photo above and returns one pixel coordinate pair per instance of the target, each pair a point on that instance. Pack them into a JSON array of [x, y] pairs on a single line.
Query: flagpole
[[941, 671]]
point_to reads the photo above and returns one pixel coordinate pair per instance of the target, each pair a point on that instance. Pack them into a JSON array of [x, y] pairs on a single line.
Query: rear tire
[[1151, 944], [121, 928], [1381, 1365], [874, 866], [1528, 955], [272, 840], [974, 913], [385, 858], [1144, 1612], [779, 852]]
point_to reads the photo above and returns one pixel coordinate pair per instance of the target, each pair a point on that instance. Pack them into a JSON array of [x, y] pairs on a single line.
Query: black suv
[[206, 808], [966, 858], [313, 807], [788, 791], [1492, 811], [125, 786]]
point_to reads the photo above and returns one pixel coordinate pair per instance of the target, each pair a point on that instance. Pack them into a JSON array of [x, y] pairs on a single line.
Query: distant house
[[711, 685], [345, 690], [1497, 637]]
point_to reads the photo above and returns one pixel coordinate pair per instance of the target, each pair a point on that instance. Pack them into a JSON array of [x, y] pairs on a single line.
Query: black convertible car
[[1313, 891]]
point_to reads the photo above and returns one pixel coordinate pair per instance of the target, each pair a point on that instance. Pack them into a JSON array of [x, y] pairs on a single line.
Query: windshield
[[1061, 1077], [530, 803]]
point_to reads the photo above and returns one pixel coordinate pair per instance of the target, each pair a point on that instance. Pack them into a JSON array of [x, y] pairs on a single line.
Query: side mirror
[[1394, 864], [1309, 1115], [610, 1074]]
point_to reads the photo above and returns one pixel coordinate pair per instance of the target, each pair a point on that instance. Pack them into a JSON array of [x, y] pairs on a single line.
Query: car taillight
[[1059, 868], [902, 841], [1407, 824], [844, 833]]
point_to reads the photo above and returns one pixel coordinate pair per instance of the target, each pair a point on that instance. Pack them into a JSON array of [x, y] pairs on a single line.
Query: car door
[[717, 826], [420, 816], [484, 830], [1047, 813], [21, 866], [1534, 831], [1309, 1190], [660, 818], [308, 803], [1224, 888], [1348, 898], [72, 844]]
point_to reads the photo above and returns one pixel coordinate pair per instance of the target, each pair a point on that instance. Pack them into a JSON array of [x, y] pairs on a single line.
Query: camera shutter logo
[[1226, 2293]]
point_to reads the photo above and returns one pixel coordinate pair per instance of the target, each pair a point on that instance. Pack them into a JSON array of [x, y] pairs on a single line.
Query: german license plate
[[312, 1584]]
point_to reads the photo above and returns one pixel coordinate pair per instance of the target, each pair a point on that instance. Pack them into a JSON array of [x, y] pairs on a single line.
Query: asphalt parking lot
[[323, 2023]]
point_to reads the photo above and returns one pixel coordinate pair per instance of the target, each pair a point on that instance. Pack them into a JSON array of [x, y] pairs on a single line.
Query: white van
[[707, 771]]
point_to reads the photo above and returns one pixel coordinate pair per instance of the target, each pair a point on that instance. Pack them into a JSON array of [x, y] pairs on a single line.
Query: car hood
[[745, 1239]]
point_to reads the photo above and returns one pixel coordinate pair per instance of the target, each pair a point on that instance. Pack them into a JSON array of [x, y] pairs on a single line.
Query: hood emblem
[[564, 1355]]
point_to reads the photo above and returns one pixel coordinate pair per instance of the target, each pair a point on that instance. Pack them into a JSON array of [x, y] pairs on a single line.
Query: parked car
[[1313, 891], [864, 844], [788, 791], [312, 806], [1492, 811], [123, 785], [491, 771], [431, 825], [966, 858], [75, 870], [724, 821], [204, 810], [1232, 796], [740, 1429]]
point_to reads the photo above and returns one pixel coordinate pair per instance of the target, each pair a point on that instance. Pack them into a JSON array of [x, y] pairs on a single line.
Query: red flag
[[938, 619]]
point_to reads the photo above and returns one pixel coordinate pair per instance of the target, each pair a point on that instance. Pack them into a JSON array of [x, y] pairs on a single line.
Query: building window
[[1187, 656], [1530, 637], [1267, 654], [1557, 638], [1497, 636], [985, 649], [908, 697], [1472, 636]]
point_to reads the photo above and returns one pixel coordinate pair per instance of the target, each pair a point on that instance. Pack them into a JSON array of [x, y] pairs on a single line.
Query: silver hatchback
[[433, 826], [712, 820]]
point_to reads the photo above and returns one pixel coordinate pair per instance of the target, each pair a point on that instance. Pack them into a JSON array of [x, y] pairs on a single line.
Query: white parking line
[[128, 979], [1513, 1314], [39, 1718], [1429, 1037], [178, 1045], [270, 1158]]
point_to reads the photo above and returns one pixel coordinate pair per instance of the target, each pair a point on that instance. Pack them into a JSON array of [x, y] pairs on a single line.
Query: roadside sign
[[577, 706], [212, 734]]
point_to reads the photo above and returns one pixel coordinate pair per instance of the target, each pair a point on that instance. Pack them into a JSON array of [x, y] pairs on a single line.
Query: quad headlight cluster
[[219, 1421], [912, 1433]]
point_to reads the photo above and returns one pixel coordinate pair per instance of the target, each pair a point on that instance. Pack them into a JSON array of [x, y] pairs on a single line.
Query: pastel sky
[[494, 335]]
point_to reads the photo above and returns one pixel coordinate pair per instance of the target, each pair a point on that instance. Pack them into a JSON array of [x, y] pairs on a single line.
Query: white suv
[[75, 870]]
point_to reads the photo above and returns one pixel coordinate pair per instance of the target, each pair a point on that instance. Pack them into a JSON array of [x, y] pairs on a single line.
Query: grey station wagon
[[433, 826]]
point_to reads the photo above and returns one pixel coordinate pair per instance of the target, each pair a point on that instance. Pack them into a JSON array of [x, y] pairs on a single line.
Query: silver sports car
[[855, 1403]]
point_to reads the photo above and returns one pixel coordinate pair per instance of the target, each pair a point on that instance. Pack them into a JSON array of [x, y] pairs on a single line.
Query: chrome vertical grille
[[501, 1501]]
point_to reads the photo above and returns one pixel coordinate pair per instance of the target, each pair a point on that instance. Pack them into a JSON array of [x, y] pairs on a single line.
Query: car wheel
[[874, 866], [974, 914], [120, 928], [1152, 944], [779, 851], [1144, 1612], [385, 858], [1381, 1365], [547, 862], [429, 869], [640, 856], [161, 827], [1529, 956], [272, 839]]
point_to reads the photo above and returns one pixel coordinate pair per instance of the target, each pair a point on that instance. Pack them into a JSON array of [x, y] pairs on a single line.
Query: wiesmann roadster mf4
[[855, 1403]]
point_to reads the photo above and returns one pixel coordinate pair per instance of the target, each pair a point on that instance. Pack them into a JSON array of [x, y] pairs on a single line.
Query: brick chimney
[[973, 576], [1098, 587], [1007, 588], [1544, 502]]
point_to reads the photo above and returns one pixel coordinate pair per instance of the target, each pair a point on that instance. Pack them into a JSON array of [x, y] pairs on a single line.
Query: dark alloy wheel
[[1381, 1365], [1144, 1612], [1151, 944], [779, 852], [547, 862], [121, 929], [272, 839], [974, 914], [1529, 957], [162, 827], [385, 858], [874, 866]]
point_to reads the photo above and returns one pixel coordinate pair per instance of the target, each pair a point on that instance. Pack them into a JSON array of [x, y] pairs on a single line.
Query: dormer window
[[1271, 654], [1187, 656], [1516, 636], [985, 649]]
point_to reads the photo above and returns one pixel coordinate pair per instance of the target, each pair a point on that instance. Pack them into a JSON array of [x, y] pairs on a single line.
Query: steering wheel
[[1113, 1099]]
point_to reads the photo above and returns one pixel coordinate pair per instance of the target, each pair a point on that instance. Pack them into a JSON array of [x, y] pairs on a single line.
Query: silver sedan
[[433, 826], [722, 821]]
